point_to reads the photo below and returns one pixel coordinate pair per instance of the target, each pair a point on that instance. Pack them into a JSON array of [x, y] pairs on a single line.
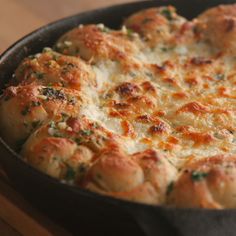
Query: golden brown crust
[[115, 172], [218, 26], [141, 177], [95, 43], [155, 25], [54, 69], [207, 183], [25, 108], [58, 157], [145, 113]]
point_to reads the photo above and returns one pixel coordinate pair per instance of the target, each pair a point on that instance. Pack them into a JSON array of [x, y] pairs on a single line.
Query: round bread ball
[[206, 183], [115, 172], [155, 25], [218, 27], [25, 108], [58, 157], [54, 69], [96, 43], [157, 170]]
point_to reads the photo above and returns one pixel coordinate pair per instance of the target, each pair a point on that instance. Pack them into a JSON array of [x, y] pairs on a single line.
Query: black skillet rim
[[77, 190]]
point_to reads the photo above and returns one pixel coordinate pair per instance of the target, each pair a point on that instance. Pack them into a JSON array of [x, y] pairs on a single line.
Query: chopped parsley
[[81, 171], [52, 124], [167, 14], [27, 108], [57, 135], [96, 125], [170, 188], [38, 75], [67, 67], [70, 173], [64, 116], [220, 76], [35, 103], [79, 140], [198, 175], [71, 100], [86, 132], [25, 111], [130, 32], [132, 74], [52, 93]]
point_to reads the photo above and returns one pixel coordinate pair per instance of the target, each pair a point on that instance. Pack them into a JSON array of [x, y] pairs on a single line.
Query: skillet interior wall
[[46, 37]]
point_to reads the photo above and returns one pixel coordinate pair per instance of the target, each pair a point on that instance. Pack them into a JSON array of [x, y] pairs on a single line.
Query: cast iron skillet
[[81, 211]]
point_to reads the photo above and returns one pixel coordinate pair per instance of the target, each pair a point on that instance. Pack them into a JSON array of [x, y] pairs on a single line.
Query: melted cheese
[[191, 75]]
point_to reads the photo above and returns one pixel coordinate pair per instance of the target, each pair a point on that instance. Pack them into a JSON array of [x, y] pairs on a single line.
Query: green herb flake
[[164, 49], [38, 75], [95, 125], [130, 32], [86, 132], [35, 103], [167, 14], [52, 124], [81, 171], [64, 116], [71, 100], [57, 135], [25, 111], [170, 188], [52, 93], [220, 76], [68, 67], [49, 64], [70, 173], [198, 175], [132, 74], [79, 140]]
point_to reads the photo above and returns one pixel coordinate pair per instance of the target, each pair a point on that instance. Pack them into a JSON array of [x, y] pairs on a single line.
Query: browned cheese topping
[[146, 113]]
